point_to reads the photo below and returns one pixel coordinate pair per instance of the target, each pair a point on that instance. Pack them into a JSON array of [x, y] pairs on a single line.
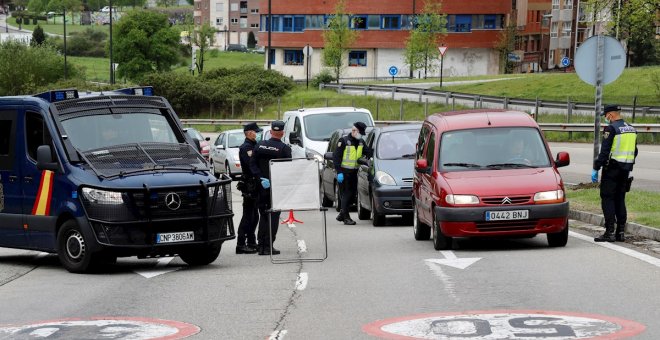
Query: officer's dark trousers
[[249, 221], [613, 195], [349, 188], [265, 217]]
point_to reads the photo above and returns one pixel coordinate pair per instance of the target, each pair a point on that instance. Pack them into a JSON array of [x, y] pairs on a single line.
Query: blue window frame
[[463, 23], [287, 24], [298, 23], [271, 56], [490, 21], [276, 24], [357, 58], [390, 22], [293, 57], [359, 22]]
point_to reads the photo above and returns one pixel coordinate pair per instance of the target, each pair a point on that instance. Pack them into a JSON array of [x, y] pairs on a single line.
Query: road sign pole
[[307, 57], [599, 93], [442, 60]]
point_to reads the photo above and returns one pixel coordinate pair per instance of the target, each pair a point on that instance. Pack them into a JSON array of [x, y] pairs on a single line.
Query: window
[[36, 134], [391, 22], [233, 7], [287, 24], [430, 150], [254, 11], [243, 22], [276, 24], [357, 58], [373, 21], [219, 21], [219, 6], [219, 140], [234, 21], [554, 30], [420, 141], [463, 23], [254, 25], [555, 4], [7, 128], [490, 21], [298, 24], [567, 28], [314, 22], [271, 56], [359, 22], [293, 57], [568, 4]]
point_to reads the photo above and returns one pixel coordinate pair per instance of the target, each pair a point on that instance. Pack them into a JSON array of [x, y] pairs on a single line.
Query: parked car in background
[[237, 48], [385, 180], [259, 50], [308, 131], [487, 173], [224, 155], [204, 142], [329, 187]]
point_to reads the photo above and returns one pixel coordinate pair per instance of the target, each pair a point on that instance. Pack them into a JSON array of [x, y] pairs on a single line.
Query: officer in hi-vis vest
[[617, 157], [349, 149]]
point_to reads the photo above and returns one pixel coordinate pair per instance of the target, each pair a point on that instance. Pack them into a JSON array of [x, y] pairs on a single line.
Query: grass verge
[[641, 205]]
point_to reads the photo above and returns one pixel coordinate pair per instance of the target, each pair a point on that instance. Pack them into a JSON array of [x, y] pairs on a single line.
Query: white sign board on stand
[[295, 185]]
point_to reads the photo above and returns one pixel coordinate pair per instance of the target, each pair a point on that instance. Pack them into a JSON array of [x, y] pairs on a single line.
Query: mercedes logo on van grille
[[506, 200], [172, 201]]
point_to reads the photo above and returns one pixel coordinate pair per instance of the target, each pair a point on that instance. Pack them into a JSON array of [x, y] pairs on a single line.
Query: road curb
[[631, 228]]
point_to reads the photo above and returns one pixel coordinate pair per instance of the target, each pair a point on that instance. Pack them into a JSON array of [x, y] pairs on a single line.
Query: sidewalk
[[632, 229]]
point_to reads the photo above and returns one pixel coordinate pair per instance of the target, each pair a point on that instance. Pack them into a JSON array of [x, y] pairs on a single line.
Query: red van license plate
[[505, 215]]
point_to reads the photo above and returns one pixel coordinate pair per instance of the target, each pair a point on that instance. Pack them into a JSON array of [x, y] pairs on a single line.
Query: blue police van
[[99, 176]]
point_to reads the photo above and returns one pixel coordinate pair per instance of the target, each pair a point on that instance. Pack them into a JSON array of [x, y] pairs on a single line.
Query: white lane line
[[623, 250], [277, 335], [301, 283], [302, 247]]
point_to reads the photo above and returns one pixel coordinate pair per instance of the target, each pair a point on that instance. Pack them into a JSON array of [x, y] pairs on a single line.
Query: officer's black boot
[[620, 233], [608, 236], [340, 217], [348, 220], [245, 249]]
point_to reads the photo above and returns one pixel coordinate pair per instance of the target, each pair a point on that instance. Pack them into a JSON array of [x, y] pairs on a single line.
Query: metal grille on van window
[[499, 200], [107, 101]]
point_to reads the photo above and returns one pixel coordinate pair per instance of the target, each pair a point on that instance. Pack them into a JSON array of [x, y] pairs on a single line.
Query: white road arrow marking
[[158, 269], [452, 261]]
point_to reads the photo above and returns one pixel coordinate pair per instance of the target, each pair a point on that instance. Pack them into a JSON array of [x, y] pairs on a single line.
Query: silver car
[[224, 153]]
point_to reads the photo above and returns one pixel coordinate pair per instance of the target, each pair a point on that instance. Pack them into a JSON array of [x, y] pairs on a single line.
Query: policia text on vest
[[617, 157]]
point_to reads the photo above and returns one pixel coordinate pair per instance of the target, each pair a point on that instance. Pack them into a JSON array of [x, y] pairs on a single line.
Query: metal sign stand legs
[[299, 258]]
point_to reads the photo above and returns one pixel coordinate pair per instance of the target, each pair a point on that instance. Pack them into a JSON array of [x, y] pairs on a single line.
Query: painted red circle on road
[[504, 324], [106, 327]]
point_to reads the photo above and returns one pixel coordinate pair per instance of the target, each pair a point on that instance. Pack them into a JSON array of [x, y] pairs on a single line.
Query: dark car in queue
[[330, 196], [385, 180]]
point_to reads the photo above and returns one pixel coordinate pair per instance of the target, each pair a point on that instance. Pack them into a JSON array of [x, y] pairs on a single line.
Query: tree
[[144, 42], [203, 38], [38, 36], [425, 37], [37, 6], [337, 37], [71, 6], [251, 41], [505, 45], [24, 68]]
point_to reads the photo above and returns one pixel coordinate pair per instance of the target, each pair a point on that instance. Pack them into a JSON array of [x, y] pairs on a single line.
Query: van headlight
[[102, 196], [461, 199], [384, 178], [554, 196]]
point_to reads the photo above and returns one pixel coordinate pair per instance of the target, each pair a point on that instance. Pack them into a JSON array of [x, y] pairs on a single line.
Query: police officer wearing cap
[[617, 157], [349, 149], [263, 152], [248, 185]]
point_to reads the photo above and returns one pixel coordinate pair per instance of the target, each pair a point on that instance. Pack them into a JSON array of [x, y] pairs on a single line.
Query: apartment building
[[473, 32], [533, 35], [233, 19]]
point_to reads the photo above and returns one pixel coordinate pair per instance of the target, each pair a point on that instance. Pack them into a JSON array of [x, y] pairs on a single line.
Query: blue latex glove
[[265, 183], [340, 178], [594, 176]]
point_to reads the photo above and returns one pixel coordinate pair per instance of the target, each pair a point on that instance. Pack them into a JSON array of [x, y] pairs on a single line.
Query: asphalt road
[[370, 274]]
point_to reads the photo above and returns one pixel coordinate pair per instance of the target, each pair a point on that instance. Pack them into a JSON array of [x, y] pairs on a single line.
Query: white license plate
[[175, 237], [506, 215]]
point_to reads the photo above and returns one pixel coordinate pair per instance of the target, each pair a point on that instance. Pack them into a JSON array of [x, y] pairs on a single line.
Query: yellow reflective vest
[[623, 146], [351, 155]]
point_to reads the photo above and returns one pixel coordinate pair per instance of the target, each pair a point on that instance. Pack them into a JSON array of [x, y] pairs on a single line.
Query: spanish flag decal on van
[[42, 203]]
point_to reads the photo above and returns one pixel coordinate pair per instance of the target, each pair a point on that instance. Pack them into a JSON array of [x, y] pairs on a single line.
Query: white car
[[308, 131], [224, 153]]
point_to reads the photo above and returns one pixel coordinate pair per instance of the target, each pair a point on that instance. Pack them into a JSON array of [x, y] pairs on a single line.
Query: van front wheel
[[440, 241], [558, 239], [422, 231], [73, 249], [202, 255]]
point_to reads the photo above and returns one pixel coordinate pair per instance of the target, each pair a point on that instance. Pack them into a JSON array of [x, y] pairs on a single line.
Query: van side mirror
[[422, 166], [45, 159], [295, 139], [328, 156], [563, 159]]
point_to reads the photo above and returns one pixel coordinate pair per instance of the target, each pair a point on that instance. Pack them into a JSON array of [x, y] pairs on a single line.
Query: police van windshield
[[492, 149], [102, 131], [319, 127]]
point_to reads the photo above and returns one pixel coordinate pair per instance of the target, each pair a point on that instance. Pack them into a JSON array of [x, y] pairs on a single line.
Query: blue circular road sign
[[565, 61], [393, 71]]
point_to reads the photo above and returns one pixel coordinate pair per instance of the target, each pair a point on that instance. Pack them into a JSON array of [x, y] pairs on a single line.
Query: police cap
[[610, 108], [361, 127], [277, 125], [251, 127]]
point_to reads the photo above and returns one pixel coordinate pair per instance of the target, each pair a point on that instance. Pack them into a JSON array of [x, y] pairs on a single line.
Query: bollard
[[505, 103], [447, 94], [393, 91], [420, 95], [481, 102], [366, 90]]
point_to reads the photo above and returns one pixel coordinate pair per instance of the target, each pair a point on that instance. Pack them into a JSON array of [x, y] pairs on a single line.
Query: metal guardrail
[[478, 100], [562, 127]]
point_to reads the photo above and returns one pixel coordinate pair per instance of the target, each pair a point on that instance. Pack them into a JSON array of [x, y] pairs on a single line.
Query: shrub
[[324, 77]]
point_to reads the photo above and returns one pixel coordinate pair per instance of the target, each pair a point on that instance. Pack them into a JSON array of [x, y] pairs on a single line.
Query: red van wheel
[[558, 239], [440, 241], [422, 231]]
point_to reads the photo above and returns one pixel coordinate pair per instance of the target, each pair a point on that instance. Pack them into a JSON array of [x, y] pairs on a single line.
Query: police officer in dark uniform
[[617, 157], [264, 151], [248, 185], [349, 149]]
